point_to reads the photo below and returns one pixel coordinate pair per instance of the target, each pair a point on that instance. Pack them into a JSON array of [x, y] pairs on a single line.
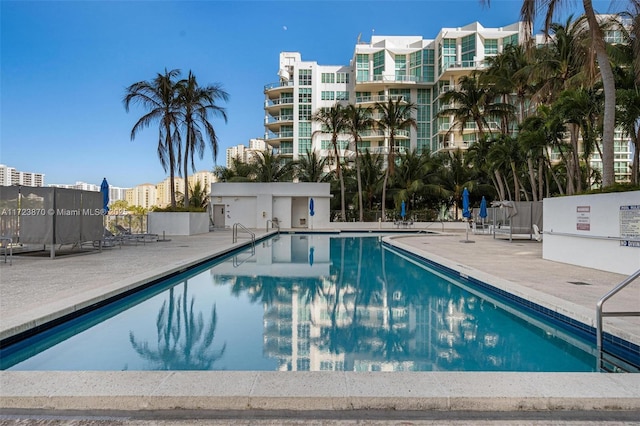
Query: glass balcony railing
[[379, 98], [279, 135], [278, 85], [278, 119], [275, 102]]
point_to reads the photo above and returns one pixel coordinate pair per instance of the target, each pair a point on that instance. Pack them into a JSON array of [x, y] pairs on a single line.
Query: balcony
[[273, 123], [458, 69], [468, 127], [273, 106], [277, 86], [278, 136], [378, 98], [374, 82]]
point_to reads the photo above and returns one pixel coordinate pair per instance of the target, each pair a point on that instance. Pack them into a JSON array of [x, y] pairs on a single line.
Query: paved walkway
[[36, 290]]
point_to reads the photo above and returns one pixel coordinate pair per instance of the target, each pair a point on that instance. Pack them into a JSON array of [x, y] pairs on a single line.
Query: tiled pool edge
[[118, 290], [577, 326]]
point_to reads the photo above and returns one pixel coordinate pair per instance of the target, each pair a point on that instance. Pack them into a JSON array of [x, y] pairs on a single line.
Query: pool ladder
[[606, 360], [240, 227], [274, 224]]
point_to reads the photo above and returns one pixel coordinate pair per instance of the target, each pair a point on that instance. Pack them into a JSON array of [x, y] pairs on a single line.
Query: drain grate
[[578, 283]]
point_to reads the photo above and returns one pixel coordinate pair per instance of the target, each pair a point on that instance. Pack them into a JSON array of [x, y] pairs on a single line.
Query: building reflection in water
[[353, 306]]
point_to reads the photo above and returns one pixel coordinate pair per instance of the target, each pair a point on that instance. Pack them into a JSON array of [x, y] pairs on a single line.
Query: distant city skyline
[[65, 67]]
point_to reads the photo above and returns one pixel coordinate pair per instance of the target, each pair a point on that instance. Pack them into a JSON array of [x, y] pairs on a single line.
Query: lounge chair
[[126, 235]]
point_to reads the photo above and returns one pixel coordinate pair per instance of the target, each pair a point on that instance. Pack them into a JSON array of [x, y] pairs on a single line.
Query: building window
[[342, 77], [286, 147], [304, 77], [363, 97], [304, 145], [510, 40], [378, 63], [447, 53], [491, 47], [342, 96], [614, 37], [304, 112], [304, 96], [468, 47], [327, 95], [362, 67], [328, 77], [401, 67], [304, 130]]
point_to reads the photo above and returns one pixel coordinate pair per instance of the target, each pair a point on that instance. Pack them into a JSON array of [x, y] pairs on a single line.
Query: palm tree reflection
[[184, 338]]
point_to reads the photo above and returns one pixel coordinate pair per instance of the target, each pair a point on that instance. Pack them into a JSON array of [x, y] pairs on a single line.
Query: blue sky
[[65, 66]]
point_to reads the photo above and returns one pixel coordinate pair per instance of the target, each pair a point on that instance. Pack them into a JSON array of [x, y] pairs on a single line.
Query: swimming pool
[[306, 302]]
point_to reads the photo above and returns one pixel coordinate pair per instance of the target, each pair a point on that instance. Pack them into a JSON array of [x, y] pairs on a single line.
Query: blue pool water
[[308, 303]]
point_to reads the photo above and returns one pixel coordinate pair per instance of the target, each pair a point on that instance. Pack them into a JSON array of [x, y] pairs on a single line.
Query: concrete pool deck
[[36, 290]]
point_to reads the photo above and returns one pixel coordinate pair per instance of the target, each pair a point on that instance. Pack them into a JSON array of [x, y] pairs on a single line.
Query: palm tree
[[395, 116], [159, 97], [475, 103], [507, 73], [311, 168], [332, 120], [358, 119], [196, 103], [371, 173], [199, 197], [270, 167], [505, 155], [528, 13]]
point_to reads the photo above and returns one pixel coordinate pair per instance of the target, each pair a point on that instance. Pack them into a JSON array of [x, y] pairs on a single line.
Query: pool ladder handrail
[[600, 314], [243, 228], [274, 223]]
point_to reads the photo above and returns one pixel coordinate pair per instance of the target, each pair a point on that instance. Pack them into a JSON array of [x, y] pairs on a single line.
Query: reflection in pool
[[305, 302]]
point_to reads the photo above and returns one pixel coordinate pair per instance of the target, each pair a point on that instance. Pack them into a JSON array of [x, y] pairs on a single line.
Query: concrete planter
[[178, 223]]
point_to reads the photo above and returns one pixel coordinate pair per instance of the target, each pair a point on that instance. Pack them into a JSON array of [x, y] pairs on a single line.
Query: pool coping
[[220, 390]]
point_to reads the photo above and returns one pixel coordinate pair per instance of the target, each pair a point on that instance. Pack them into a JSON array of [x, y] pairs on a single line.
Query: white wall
[[590, 237], [174, 223], [252, 204]]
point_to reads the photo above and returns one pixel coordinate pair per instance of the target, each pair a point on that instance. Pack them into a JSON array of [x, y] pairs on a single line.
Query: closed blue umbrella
[[483, 208], [465, 204], [104, 188], [403, 213], [311, 212], [311, 251]]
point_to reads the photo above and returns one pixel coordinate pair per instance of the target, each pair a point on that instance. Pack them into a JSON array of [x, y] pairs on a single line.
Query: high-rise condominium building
[[410, 68], [245, 154], [142, 195], [10, 176]]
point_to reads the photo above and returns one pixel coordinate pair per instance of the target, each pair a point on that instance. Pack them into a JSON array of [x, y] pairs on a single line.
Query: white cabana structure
[[257, 205]]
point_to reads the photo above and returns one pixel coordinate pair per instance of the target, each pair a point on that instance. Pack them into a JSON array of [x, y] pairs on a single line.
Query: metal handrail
[[600, 313], [275, 223], [243, 228]]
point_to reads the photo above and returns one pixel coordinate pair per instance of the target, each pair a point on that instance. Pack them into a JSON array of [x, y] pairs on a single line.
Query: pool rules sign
[[583, 218], [630, 226]]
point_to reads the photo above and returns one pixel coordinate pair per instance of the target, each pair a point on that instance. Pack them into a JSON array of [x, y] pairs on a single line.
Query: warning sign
[[584, 218], [630, 226]]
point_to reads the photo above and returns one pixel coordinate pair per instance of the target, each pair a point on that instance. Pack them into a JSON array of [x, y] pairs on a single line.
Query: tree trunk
[[186, 172], [384, 193], [532, 178], [360, 202], [498, 176], [340, 177], [575, 157], [608, 82]]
